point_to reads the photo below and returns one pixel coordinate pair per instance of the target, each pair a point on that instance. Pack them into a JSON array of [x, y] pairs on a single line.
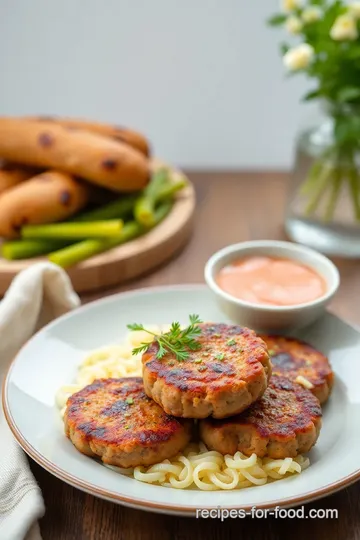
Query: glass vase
[[323, 206]]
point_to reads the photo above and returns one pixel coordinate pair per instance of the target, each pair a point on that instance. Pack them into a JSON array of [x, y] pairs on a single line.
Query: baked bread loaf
[[12, 175], [93, 157], [48, 197], [119, 133]]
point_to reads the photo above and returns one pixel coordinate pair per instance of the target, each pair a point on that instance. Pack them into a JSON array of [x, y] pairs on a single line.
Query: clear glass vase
[[323, 206]]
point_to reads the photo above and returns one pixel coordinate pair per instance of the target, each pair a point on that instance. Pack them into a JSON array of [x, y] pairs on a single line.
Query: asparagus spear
[[119, 209], [76, 253], [124, 206], [96, 229], [26, 249], [167, 191], [144, 210]]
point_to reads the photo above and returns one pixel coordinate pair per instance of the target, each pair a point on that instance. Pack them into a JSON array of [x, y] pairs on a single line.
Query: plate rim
[[136, 502]]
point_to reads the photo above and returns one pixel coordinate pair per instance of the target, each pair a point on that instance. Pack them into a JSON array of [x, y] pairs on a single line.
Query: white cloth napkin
[[36, 295]]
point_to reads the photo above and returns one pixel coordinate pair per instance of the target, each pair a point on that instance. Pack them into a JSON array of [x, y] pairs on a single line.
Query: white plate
[[50, 359]]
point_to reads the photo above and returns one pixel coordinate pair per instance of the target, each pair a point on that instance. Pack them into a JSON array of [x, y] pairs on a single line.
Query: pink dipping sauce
[[271, 281]]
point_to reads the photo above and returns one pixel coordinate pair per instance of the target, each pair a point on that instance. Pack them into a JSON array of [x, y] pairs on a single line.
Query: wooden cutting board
[[129, 260]]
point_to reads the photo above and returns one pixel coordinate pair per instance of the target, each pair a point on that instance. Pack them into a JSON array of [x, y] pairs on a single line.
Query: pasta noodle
[[210, 470], [112, 361], [197, 466]]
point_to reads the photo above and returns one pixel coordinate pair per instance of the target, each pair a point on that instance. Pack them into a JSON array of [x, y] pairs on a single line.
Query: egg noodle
[[196, 466]]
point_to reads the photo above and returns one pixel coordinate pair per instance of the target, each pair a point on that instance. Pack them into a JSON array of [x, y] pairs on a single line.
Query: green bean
[[119, 209], [67, 230], [168, 191], [144, 210], [81, 251], [26, 249]]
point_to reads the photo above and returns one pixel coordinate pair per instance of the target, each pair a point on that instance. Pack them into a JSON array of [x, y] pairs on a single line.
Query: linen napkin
[[37, 295]]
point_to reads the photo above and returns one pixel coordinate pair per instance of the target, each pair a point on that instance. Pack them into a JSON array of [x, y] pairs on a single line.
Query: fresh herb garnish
[[197, 360], [129, 401], [177, 340], [271, 352], [220, 356], [231, 342]]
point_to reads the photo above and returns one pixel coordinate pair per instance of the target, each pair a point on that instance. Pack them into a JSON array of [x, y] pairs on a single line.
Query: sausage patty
[[285, 422], [115, 420], [294, 358], [227, 374]]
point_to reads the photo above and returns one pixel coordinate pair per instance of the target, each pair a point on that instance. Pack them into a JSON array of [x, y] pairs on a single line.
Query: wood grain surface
[[232, 207]]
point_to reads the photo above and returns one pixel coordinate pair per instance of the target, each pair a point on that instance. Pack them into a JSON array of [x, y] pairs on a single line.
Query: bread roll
[[98, 159], [119, 133], [48, 197], [12, 175]]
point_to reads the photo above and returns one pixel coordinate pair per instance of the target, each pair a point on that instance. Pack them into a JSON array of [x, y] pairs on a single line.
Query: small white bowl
[[265, 317]]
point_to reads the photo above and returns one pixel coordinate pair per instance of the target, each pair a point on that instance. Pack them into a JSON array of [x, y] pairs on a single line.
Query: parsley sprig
[[177, 340]]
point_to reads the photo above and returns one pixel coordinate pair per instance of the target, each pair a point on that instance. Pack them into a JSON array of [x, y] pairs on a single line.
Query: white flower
[[293, 25], [344, 28], [299, 57], [354, 9], [311, 14], [290, 5]]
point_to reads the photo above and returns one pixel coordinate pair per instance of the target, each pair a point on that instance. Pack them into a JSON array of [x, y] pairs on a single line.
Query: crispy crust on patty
[[225, 376], [292, 358], [285, 422], [114, 419]]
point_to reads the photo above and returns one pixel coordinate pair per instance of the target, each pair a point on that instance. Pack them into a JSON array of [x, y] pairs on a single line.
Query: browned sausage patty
[[293, 358], [227, 374], [285, 422], [114, 419]]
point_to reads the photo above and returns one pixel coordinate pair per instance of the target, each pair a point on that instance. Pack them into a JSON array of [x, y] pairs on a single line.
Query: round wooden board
[[129, 260]]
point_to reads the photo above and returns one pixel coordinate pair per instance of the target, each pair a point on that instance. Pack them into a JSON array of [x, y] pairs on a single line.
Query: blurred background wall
[[202, 78]]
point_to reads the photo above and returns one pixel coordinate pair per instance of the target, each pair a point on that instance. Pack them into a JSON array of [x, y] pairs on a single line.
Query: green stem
[[27, 249], [318, 190], [159, 187], [160, 178], [119, 209], [315, 171], [168, 191], [144, 210], [354, 181], [337, 179], [97, 229], [81, 251], [308, 185]]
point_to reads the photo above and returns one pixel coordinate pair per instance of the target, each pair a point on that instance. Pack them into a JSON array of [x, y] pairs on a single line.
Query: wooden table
[[232, 207]]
